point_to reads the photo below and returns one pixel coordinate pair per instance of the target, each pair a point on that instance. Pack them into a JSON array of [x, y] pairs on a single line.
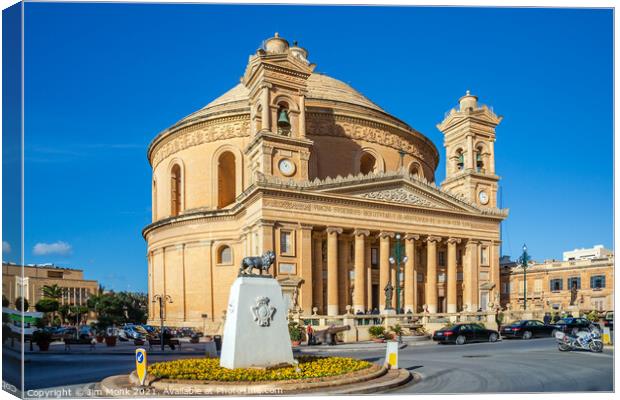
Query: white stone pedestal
[[255, 332]]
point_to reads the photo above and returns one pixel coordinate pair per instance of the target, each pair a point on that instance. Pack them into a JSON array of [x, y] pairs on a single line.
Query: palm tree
[[52, 291]]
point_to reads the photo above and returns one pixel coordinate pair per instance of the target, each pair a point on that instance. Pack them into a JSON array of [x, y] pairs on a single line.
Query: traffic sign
[[141, 365]]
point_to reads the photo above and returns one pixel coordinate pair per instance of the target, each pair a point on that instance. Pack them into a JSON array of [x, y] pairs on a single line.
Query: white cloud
[[6, 247], [42, 249]]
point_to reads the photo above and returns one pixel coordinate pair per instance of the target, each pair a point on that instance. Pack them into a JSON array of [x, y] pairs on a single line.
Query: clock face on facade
[[484, 197], [286, 166]]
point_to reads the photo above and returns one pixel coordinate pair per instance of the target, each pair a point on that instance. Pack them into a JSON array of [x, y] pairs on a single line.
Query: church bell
[[283, 121]]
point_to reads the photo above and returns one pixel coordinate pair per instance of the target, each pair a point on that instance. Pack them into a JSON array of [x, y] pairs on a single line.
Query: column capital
[[386, 234], [264, 222], [332, 229], [266, 85], [453, 240], [431, 238], [305, 226], [302, 92], [412, 236], [474, 241], [361, 232]]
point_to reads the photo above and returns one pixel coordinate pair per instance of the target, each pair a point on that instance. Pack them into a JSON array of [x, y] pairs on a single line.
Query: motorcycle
[[584, 340]]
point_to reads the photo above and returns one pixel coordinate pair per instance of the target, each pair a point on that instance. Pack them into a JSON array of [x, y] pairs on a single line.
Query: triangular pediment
[[396, 187], [399, 190], [403, 193]]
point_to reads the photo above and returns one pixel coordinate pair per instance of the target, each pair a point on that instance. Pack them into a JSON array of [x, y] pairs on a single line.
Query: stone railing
[[424, 323]]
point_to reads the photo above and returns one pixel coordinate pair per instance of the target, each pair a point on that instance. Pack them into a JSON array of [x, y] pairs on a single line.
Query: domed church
[[300, 163]]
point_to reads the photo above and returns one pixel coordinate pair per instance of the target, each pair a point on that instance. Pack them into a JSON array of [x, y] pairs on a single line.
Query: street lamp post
[[397, 259], [158, 298], [524, 260]]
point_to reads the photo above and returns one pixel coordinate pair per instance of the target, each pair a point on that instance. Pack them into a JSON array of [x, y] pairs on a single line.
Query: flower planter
[[295, 342], [378, 340], [138, 342], [99, 339], [110, 341], [43, 346]]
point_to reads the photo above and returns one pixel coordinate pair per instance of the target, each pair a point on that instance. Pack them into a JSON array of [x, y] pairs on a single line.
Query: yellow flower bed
[[208, 369]]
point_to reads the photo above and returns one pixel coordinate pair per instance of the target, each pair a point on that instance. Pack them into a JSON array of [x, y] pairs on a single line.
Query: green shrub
[[376, 331], [295, 331], [397, 329]]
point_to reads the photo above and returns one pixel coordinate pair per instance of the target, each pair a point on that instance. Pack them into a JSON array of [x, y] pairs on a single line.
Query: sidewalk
[[199, 349], [121, 348]]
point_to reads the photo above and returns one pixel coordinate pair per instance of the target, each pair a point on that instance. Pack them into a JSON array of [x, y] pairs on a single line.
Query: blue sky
[[103, 79]]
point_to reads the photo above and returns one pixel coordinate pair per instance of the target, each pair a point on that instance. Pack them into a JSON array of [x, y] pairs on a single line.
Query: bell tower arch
[[276, 77], [469, 137]]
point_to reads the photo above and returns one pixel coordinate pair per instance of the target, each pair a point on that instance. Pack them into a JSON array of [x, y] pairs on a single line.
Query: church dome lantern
[[276, 45], [468, 102]]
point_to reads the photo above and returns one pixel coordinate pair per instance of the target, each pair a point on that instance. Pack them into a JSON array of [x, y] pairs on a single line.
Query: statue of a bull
[[262, 263]]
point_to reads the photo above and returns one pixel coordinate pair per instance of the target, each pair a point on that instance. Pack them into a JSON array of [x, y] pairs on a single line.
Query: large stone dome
[[320, 87]]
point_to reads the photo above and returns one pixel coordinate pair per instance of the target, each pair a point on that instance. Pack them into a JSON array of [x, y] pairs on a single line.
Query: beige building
[[29, 284], [298, 162], [549, 284]]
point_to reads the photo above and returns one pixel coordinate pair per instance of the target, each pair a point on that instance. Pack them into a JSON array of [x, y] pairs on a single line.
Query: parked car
[[186, 332], [130, 332], [571, 325], [527, 329], [465, 333]]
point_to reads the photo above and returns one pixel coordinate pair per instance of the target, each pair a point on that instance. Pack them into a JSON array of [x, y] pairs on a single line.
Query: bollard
[[606, 335], [141, 365], [391, 354]]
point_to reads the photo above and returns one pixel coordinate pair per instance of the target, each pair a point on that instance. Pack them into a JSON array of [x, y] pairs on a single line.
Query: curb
[[380, 381]]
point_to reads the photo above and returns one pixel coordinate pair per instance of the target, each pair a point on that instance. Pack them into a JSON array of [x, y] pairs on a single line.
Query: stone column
[[265, 111], [306, 269], [410, 274], [494, 256], [317, 276], [266, 231], [470, 276], [368, 272], [302, 114], [360, 273], [431, 273], [332, 270], [471, 163], [343, 273], [384, 266], [451, 276]]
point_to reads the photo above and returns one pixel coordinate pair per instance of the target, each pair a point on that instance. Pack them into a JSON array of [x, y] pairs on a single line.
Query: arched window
[[224, 255], [414, 169], [460, 160], [479, 160], [175, 190], [367, 163], [226, 179], [284, 119]]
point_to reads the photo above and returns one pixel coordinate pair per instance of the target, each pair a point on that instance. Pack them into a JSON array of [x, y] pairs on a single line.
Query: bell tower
[[276, 77], [469, 135]]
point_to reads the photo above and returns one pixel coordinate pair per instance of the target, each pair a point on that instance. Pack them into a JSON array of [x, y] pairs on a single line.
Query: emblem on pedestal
[[262, 311]]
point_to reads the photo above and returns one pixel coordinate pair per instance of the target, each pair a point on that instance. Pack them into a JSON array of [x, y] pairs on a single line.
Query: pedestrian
[[547, 318], [359, 321], [310, 334]]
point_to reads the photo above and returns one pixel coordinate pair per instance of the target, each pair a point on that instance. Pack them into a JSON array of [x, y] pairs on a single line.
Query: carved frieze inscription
[[352, 128], [211, 131], [376, 214]]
